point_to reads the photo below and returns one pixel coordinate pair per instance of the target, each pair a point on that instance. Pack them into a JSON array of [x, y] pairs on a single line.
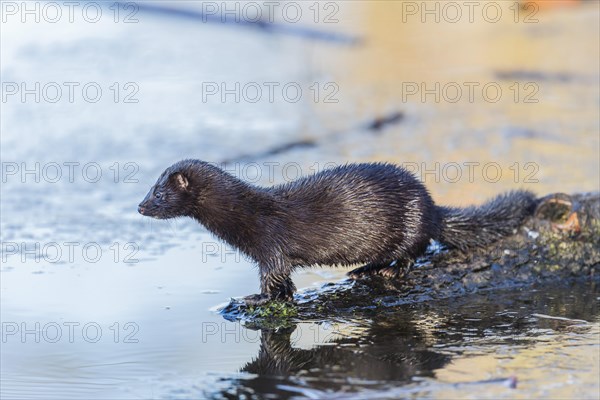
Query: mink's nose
[[141, 209]]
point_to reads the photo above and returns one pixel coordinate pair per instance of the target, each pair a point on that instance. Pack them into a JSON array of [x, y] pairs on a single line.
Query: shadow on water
[[399, 350]]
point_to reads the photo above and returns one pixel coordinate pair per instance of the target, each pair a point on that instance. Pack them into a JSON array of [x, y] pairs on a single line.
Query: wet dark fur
[[371, 214]]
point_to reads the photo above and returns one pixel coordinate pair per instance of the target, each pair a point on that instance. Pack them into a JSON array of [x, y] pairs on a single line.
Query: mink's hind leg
[[393, 269]]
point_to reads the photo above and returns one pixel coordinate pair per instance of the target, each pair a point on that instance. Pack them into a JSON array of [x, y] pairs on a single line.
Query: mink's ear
[[182, 182]]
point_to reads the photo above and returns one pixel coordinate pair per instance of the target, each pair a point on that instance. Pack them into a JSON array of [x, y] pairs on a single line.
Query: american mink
[[375, 214]]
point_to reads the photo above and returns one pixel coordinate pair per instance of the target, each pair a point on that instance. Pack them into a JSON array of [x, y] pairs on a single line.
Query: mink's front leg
[[275, 284]]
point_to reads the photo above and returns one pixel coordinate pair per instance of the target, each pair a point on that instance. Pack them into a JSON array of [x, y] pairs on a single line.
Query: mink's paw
[[369, 270], [256, 299], [392, 271], [358, 273]]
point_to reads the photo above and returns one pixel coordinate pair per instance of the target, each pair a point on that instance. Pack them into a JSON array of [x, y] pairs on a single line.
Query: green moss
[[273, 309], [275, 314]]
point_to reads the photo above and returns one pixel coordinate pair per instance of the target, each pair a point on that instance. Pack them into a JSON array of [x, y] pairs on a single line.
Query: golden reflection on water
[[550, 145], [544, 136], [565, 356]]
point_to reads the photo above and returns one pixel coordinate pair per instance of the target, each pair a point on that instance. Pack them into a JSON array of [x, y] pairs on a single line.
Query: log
[[560, 242]]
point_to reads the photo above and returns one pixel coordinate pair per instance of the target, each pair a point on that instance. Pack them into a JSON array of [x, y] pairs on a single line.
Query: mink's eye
[[158, 195]]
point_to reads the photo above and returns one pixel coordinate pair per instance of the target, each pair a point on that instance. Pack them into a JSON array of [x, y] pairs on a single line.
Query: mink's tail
[[479, 226]]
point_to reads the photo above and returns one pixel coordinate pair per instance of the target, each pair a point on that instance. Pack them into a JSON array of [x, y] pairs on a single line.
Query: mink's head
[[173, 194]]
